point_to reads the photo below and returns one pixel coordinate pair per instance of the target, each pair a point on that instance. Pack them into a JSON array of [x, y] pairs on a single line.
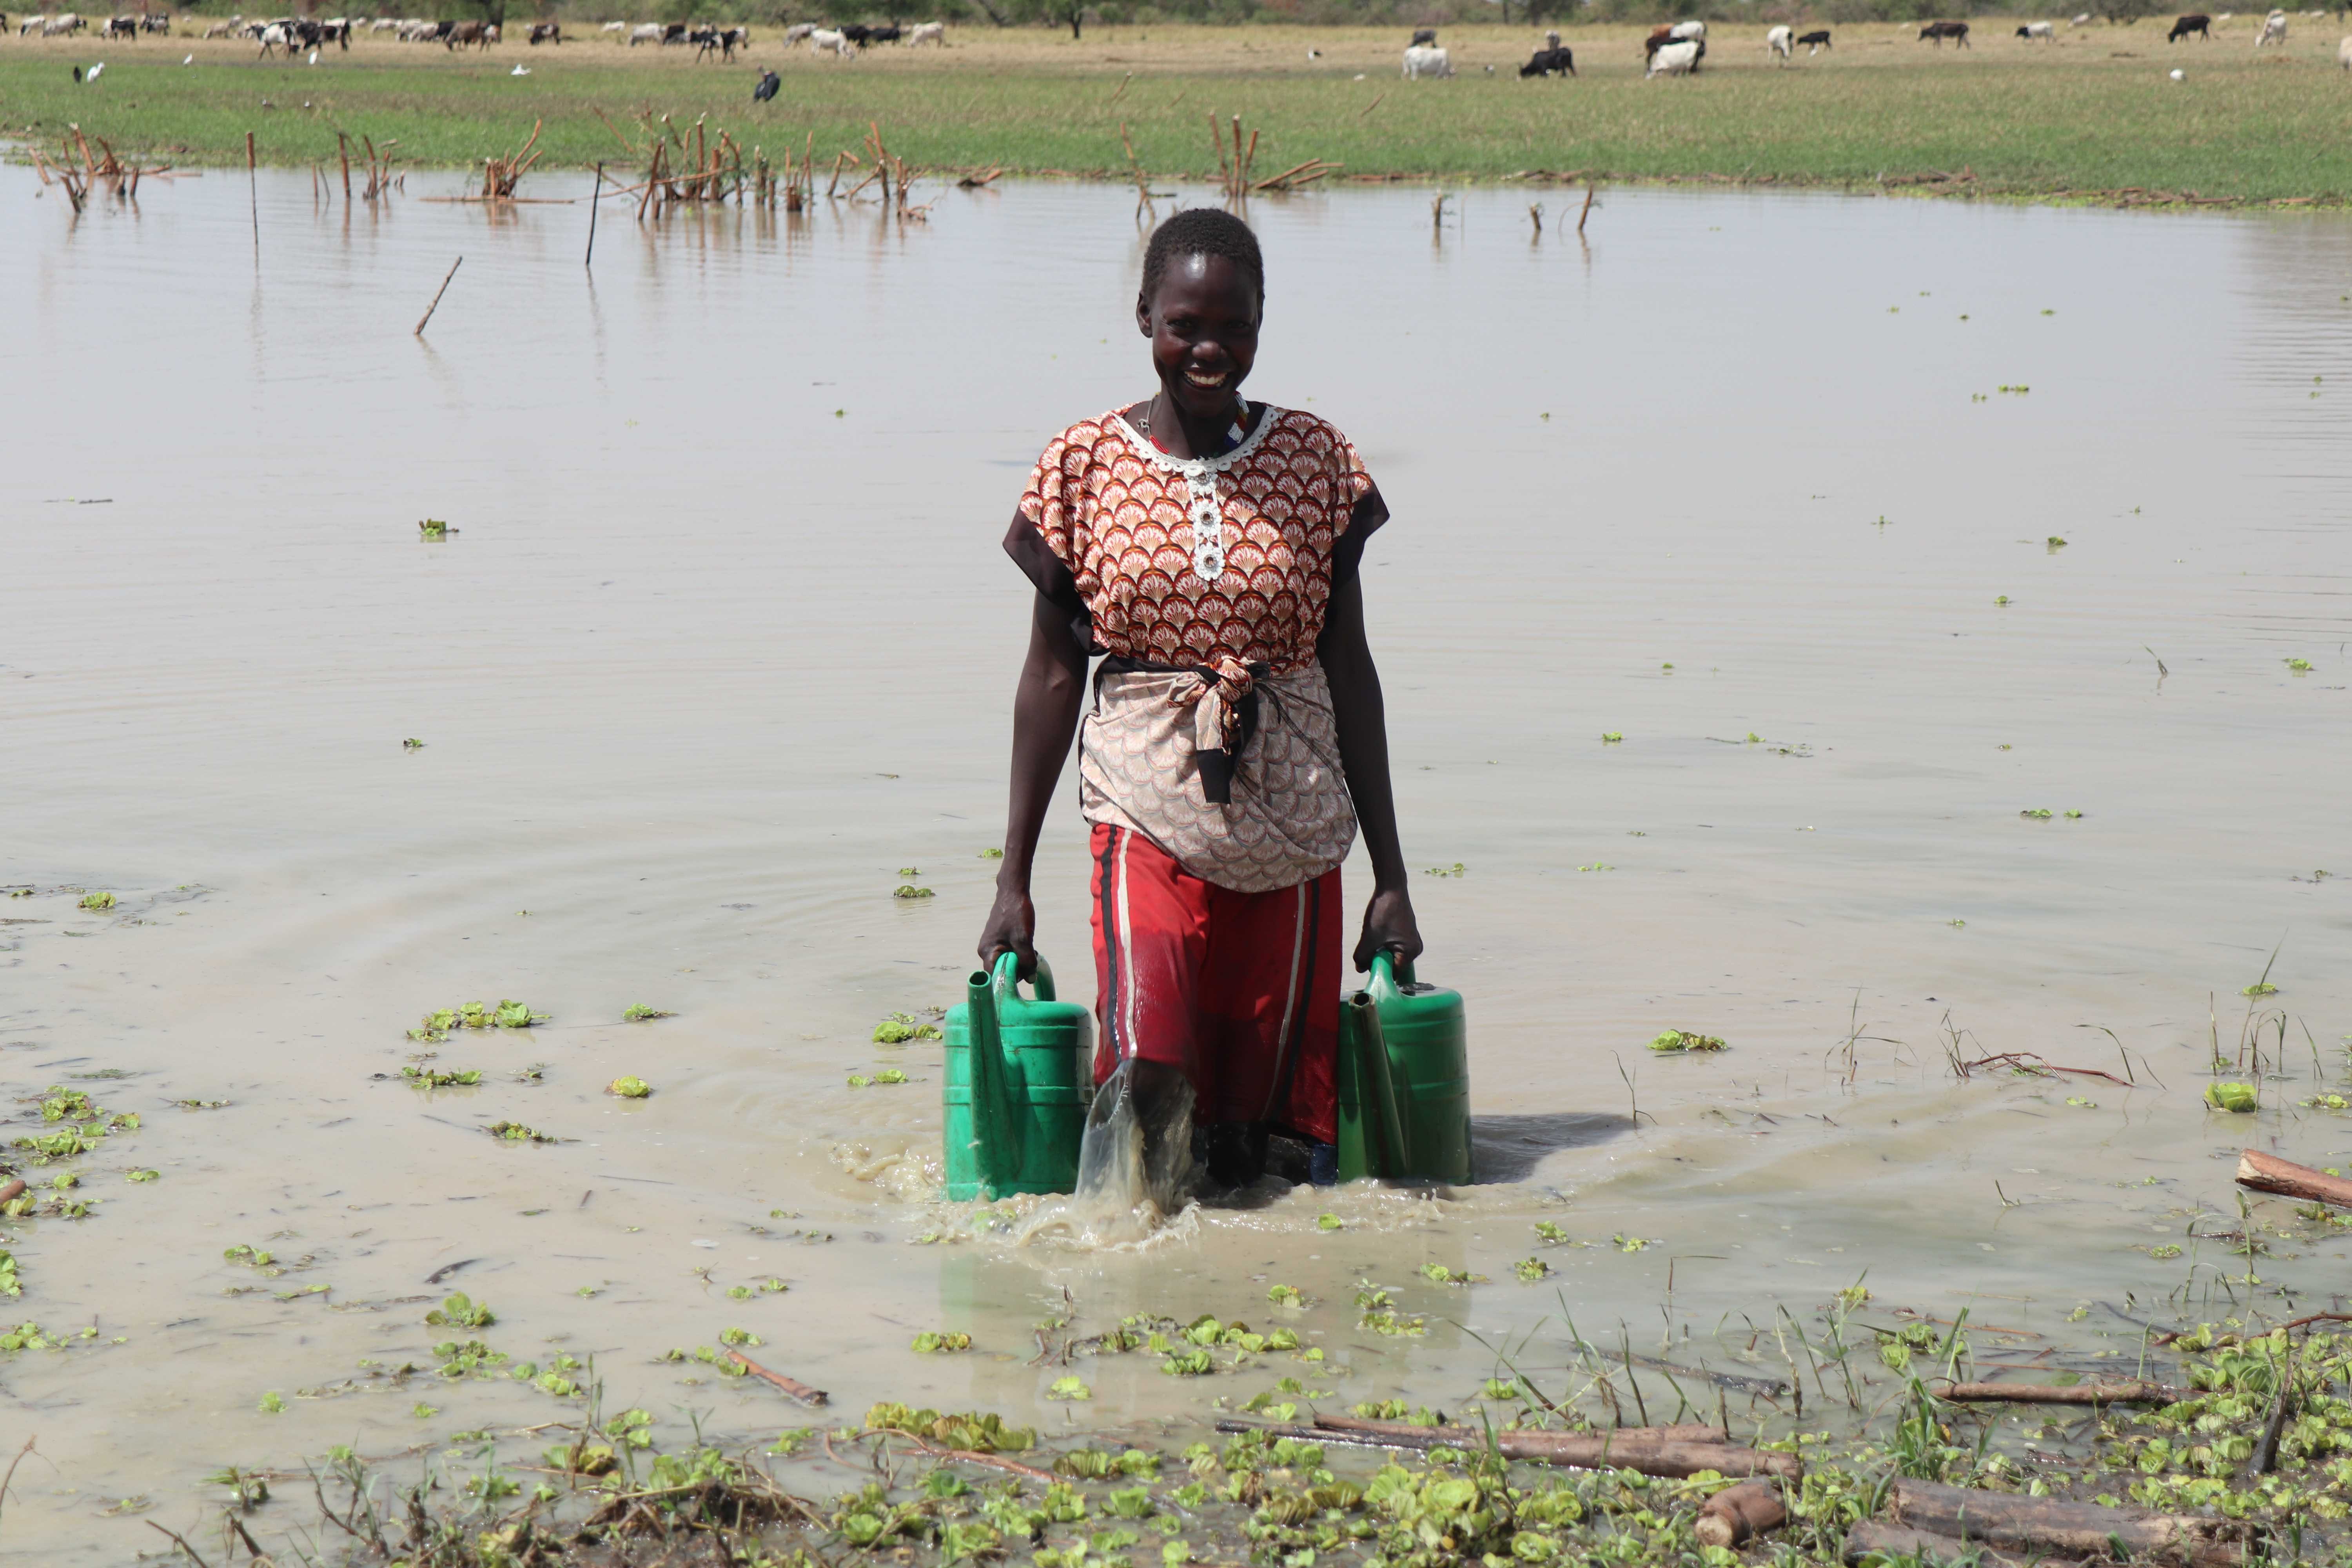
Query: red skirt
[[1241, 991]]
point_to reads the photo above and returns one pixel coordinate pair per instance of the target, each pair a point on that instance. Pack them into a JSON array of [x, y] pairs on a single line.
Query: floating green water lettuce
[[1069, 1388], [629, 1087], [515, 1132], [98, 901], [2239, 1096], [979, 1432], [461, 1312], [932, 1342], [638, 1013], [432, 528], [900, 1028], [908, 891], [1530, 1268], [1683, 1040], [1285, 1296], [429, 1077]]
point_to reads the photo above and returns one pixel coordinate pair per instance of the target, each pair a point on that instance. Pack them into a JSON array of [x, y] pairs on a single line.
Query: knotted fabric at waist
[[1223, 698]]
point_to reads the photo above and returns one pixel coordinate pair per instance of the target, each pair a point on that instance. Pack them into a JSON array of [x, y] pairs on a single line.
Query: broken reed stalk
[[595, 202], [969, 1456], [794, 1386], [343, 151], [2269, 1174], [253, 190], [1588, 192], [501, 175], [437, 296]]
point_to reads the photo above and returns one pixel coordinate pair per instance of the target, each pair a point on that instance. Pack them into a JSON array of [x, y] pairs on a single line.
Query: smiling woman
[[1208, 546]]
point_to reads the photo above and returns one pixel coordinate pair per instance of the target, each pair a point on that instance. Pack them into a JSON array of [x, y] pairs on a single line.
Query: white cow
[[2344, 52], [2032, 30], [2083, 20], [831, 40], [615, 28], [648, 33], [1780, 41], [2273, 30], [929, 33], [65, 23], [1688, 32], [1426, 60], [28, 24], [1673, 60], [797, 31]]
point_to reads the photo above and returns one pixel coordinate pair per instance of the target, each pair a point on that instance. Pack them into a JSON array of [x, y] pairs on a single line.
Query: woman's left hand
[[1389, 923]]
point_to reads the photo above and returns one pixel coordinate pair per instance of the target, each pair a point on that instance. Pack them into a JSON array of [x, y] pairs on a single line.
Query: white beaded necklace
[[1205, 510]]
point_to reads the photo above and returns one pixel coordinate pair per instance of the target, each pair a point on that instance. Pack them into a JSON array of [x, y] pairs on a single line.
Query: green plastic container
[[1404, 1079], [1020, 1073]]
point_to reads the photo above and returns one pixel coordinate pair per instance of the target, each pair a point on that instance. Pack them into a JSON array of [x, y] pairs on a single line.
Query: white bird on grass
[[519, 70], [2179, 75], [92, 75], [314, 57], [189, 62]]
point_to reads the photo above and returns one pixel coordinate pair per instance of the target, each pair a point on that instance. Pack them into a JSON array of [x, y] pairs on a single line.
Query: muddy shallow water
[[723, 640]]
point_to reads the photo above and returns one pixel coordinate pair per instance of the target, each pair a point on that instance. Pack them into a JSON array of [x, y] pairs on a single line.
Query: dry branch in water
[[2010, 1523], [2269, 1174], [1738, 1514], [791, 1385], [2076, 1394], [1650, 1450]]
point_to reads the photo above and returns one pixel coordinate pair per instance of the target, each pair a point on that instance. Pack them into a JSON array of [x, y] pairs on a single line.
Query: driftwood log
[[2051, 1526], [2269, 1174], [2075, 1394], [791, 1385], [1645, 1450], [13, 1191], [1869, 1538], [1738, 1514]]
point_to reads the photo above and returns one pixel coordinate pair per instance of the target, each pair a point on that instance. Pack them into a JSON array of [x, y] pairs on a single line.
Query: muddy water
[[722, 642]]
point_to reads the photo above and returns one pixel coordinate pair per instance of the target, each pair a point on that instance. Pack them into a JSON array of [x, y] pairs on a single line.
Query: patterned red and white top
[[1117, 517]]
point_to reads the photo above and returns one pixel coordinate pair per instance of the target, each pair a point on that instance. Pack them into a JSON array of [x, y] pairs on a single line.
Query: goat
[[1779, 40], [1426, 60], [829, 40], [2273, 30], [1955, 31], [2194, 22], [2038, 30], [929, 33], [1815, 41], [1674, 59], [546, 33]]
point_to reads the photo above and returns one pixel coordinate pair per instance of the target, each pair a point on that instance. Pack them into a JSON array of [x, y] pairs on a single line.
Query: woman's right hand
[[1012, 928]]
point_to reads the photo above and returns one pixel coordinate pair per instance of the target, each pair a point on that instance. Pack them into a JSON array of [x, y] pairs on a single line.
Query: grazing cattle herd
[[1674, 49]]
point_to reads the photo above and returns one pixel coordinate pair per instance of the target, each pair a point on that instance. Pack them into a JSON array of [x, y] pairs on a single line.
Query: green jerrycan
[[1404, 1079], [1019, 1076]]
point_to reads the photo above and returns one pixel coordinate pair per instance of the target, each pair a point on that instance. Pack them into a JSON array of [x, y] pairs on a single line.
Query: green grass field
[[2095, 114]]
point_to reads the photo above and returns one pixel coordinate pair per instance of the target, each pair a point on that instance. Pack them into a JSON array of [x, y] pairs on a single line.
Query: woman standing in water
[[1209, 547]]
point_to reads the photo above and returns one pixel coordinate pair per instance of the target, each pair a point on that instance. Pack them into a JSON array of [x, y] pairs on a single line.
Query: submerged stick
[[791, 1385], [1650, 1455], [2046, 1525], [1869, 1538], [2269, 1174], [437, 296], [1738, 1514], [972, 1457], [594, 203], [2077, 1394]]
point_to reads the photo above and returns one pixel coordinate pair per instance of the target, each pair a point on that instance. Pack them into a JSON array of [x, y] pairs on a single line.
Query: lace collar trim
[[1197, 468]]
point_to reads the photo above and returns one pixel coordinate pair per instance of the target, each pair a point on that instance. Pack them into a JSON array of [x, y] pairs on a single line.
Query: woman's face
[[1202, 324]]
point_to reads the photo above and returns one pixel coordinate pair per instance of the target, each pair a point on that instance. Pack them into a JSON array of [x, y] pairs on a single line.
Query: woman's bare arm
[[1364, 755], [1044, 717]]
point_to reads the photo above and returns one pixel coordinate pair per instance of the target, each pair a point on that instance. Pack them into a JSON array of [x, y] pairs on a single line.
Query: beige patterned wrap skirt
[[1289, 820]]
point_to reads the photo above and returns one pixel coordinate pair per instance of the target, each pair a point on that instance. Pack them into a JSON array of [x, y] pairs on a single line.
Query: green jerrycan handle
[[1391, 975], [1006, 982]]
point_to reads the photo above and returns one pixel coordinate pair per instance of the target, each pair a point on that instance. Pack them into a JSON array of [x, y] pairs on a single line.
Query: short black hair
[[1202, 231]]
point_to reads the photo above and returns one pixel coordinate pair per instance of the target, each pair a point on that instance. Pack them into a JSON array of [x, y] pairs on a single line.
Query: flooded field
[[719, 653]]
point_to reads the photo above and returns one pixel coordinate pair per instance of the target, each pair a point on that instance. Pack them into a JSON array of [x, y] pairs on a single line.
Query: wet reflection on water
[[723, 640]]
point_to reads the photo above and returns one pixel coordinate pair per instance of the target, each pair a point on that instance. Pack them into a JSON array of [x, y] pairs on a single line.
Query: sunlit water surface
[[724, 641]]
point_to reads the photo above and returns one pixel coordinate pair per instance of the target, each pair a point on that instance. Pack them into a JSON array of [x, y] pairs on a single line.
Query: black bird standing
[[76, 73], [769, 82]]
